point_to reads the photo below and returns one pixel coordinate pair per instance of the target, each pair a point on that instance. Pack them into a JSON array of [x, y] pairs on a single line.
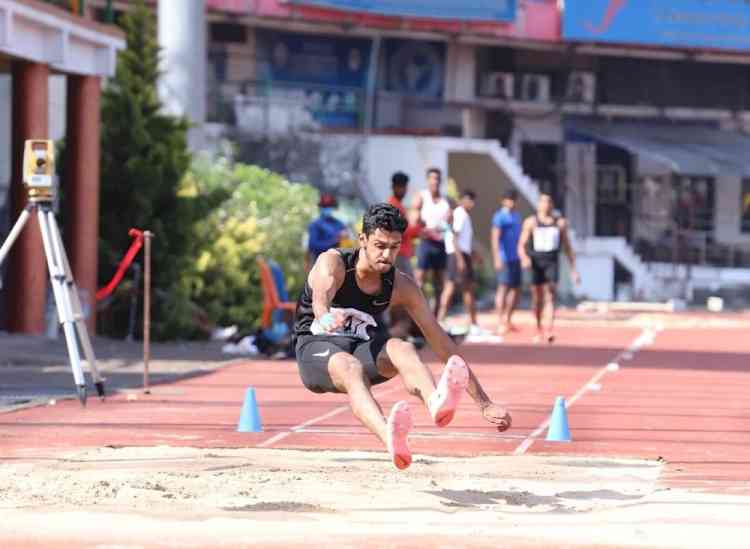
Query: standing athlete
[[459, 244], [542, 236], [435, 214], [506, 230], [342, 345]]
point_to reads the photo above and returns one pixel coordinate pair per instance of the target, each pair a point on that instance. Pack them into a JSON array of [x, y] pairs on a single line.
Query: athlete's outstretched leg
[[441, 400], [402, 356], [347, 374]]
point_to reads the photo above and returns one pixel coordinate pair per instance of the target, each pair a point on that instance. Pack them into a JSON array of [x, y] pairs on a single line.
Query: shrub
[[260, 214]]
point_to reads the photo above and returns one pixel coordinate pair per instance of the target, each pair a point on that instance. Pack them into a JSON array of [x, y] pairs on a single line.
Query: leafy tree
[[144, 158]]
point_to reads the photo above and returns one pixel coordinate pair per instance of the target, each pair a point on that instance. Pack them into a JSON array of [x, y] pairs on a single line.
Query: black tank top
[[544, 243], [349, 295]]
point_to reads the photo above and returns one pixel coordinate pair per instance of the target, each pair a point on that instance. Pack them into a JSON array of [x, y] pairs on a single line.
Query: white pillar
[[460, 76], [580, 207], [182, 86], [473, 122]]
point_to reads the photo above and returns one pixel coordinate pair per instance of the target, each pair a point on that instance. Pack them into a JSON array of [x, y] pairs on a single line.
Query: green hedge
[[260, 214]]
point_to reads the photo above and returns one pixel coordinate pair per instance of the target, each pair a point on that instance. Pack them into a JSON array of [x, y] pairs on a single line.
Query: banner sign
[[461, 10], [715, 24], [331, 72]]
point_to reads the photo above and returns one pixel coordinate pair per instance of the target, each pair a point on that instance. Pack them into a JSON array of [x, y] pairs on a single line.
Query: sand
[[184, 497]]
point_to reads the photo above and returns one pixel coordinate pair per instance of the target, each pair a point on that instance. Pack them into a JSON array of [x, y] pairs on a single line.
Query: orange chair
[[271, 301]]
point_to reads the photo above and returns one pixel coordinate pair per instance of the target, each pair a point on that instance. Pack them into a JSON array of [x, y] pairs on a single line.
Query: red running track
[[683, 398]]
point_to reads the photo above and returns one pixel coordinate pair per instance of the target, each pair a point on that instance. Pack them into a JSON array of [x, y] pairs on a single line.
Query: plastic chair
[[271, 300]]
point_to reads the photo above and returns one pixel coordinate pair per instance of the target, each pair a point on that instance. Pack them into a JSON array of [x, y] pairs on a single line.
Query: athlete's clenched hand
[[332, 321], [497, 415]]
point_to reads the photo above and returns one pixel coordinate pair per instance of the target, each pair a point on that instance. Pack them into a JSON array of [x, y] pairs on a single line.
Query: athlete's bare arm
[[325, 279], [416, 206], [495, 235], [407, 294], [568, 249], [528, 227]]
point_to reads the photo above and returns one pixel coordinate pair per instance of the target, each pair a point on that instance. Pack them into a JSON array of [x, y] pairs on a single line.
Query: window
[[694, 203], [228, 33], [745, 206]]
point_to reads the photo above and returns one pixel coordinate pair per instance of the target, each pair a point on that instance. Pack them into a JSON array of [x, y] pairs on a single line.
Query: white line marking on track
[[646, 337], [441, 435], [297, 428]]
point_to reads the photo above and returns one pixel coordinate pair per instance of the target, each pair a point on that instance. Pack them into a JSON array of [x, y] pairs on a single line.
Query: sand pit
[[168, 480], [186, 497]]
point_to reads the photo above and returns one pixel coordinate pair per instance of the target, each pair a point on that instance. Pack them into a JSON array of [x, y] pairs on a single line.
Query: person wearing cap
[[506, 230], [326, 231]]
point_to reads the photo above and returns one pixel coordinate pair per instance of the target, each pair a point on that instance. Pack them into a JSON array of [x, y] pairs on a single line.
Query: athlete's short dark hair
[[471, 194], [435, 171], [383, 216], [399, 179]]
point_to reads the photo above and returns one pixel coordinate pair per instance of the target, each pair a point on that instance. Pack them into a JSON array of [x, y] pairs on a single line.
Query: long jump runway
[[671, 416]]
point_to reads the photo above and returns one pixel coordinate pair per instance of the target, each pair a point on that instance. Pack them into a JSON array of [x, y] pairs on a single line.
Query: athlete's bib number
[[546, 239], [356, 324]]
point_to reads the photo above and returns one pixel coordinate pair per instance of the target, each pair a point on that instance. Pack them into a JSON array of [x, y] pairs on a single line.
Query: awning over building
[[40, 32], [682, 148]]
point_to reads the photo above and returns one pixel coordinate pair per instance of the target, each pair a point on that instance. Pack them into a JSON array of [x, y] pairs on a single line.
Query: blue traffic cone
[[250, 416], [558, 425]]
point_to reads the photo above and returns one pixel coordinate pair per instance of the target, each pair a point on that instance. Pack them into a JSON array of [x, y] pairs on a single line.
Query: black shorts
[[544, 271], [460, 279], [314, 351], [431, 255]]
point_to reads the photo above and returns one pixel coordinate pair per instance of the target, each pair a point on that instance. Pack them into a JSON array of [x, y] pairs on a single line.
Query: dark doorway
[[499, 126], [613, 193], [541, 162]]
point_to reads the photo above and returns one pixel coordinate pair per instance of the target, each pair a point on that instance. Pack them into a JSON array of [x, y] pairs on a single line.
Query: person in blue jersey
[[326, 231], [506, 230]]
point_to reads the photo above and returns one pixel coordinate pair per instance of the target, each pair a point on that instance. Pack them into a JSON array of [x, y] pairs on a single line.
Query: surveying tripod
[[39, 178]]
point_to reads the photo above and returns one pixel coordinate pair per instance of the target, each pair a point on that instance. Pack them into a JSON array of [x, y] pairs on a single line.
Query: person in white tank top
[[435, 214]]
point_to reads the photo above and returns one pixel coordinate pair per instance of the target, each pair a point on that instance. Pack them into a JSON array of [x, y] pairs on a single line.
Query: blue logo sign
[[415, 68], [723, 24], [476, 10]]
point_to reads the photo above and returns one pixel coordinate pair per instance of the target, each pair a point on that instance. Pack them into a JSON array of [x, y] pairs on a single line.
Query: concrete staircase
[[619, 249], [509, 165], [616, 248]]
